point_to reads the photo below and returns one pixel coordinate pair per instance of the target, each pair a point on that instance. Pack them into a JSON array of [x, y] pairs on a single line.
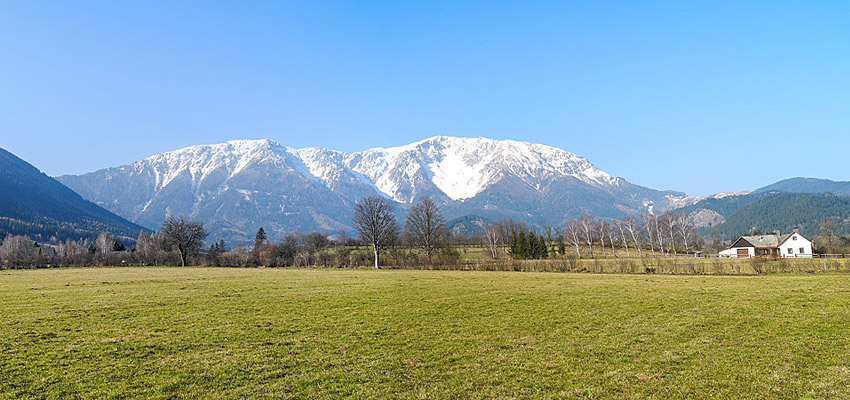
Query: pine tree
[[530, 246], [541, 246], [522, 245], [260, 239], [512, 246]]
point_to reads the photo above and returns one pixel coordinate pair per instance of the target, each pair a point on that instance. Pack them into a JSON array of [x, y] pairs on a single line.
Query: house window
[[790, 251], [802, 250], [793, 238]]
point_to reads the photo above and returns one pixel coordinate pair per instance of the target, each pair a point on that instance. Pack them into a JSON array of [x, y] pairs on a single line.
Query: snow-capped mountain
[[461, 168], [238, 186]]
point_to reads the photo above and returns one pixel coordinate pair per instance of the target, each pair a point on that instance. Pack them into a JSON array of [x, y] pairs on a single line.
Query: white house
[[789, 245]]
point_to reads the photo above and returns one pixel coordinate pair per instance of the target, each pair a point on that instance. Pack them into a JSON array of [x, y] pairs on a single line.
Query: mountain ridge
[[237, 185], [37, 205], [808, 185], [786, 204]]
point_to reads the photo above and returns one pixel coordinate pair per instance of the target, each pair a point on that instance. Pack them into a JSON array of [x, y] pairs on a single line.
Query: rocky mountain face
[[235, 187], [34, 204]]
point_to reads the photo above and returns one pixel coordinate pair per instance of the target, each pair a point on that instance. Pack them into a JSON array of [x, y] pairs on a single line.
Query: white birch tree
[[376, 224]]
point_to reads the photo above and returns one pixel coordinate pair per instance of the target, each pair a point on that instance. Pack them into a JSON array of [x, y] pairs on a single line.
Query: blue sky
[[694, 96]]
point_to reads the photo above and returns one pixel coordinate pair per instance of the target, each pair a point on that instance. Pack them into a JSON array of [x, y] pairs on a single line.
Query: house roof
[[763, 240], [740, 242], [785, 237]]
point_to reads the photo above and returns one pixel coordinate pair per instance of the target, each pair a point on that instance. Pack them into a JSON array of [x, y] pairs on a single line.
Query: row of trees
[[21, 250], [667, 234], [527, 245], [181, 241], [178, 240], [425, 227]]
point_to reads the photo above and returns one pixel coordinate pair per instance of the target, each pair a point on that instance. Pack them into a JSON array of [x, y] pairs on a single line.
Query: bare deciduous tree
[[683, 225], [342, 238], [70, 248], [376, 223], [649, 223], [669, 221], [632, 227], [18, 251], [659, 235], [620, 224], [508, 228], [146, 247], [599, 228], [826, 230], [185, 236], [315, 241], [586, 223], [491, 240], [574, 237], [551, 234], [105, 243], [604, 230], [425, 227]]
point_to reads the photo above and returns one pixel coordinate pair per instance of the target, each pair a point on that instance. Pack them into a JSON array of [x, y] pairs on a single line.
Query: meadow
[[166, 333]]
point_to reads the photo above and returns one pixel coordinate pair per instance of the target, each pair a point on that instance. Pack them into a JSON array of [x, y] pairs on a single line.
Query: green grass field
[[280, 333]]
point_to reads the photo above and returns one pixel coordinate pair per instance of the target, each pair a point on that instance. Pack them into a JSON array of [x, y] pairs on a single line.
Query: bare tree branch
[[186, 236], [376, 223]]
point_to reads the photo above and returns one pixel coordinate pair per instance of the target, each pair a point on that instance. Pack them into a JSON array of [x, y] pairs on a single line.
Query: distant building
[[789, 245]]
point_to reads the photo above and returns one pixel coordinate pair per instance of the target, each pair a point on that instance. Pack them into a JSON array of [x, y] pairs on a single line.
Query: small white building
[[789, 245]]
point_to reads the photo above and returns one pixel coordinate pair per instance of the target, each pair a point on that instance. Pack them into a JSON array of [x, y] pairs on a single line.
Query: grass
[[279, 333], [476, 258], [661, 265]]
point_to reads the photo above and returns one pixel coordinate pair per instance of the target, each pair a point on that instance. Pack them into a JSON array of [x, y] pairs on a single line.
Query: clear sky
[[697, 96]]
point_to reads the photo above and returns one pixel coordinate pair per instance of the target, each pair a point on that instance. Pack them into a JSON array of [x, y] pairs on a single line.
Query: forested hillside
[[727, 205], [36, 205], [787, 211], [809, 185]]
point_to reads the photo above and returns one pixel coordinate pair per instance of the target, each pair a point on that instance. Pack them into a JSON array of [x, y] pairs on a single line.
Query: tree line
[[425, 240], [668, 234]]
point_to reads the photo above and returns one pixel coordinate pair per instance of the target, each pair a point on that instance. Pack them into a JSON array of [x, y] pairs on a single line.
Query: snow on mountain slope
[[238, 184], [459, 167], [205, 163], [201, 161], [682, 201], [324, 165], [731, 194], [463, 167]]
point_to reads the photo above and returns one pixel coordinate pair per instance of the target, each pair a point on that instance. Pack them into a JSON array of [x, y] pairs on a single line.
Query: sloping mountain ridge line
[[36, 205], [237, 186]]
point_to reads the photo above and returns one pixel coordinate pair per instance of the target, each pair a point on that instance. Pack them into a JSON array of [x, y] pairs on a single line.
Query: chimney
[[778, 232]]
